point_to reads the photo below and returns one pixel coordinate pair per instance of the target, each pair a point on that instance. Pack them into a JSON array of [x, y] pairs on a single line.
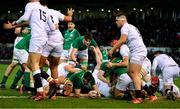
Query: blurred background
[[157, 20]]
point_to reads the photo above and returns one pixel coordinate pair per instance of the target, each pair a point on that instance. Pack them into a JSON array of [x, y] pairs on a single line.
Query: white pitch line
[[13, 97]]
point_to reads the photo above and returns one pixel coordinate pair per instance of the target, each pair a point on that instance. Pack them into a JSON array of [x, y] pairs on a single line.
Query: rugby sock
[[17, 78], [37, 80], [138, 93], [4, 79], [147, 89], [27, 79], [127, 95], [44, 75]]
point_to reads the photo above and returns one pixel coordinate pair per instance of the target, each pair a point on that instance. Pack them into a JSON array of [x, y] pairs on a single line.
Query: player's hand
[[110, 52], [109, 64], [93, 48], [7, 25], [70, 12]]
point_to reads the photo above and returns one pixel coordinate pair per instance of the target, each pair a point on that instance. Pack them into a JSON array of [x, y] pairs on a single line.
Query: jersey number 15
[[42, 15]]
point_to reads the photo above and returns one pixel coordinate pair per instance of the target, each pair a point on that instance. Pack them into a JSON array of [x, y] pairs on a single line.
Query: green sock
[[27, 79], [17, 77], [4, 79]]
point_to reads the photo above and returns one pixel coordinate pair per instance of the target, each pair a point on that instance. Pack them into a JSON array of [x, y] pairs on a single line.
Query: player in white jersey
[[169, 71], [138, 51], [39, 19], [54, 46]]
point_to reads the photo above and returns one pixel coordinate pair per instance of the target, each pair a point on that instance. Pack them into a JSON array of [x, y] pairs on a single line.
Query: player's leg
[[171, 90], [7, 73], [55, 60], [135, 66], [122, 84], [22, 56]]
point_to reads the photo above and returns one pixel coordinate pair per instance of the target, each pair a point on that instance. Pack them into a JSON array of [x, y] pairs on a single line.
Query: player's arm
[[96, 89], [98, 60], [102, 78], [11, 26], [26, 15], [73, 54], [121, 41], [77, 93], [71, 69], [154, 66], [124, 63], [99, 53]]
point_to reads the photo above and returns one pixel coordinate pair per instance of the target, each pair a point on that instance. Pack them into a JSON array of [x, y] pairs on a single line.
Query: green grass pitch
[[11, 99]]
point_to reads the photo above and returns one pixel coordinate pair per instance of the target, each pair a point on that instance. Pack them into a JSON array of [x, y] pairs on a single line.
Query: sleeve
[[26, 15], [60, 16], [124, 30], [77, 34], [124, 50], [154, 65], [93, 43], [75, 43]]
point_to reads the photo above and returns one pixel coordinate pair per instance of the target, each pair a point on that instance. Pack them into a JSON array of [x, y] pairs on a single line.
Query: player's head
[[88, 38], [121, 19], [34, 0], [156, 53], [18, 30], [87, 77], [71, 26], [25, 30], [44, 2]]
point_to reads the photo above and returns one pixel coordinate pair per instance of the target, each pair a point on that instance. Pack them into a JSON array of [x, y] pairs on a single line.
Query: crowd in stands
[[156, 32]]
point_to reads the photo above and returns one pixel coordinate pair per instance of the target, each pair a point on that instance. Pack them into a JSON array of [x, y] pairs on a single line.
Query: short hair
[[44, 2], [158, 52], [121, 16], [88, 76], [88, 36]]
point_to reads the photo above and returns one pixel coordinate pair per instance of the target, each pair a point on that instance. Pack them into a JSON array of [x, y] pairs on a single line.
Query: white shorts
[[83, 54], [137, 59], [65, 55], [22, 56], [124, 82], [103, 87], [15, 58], [169, 74], [37, 45], [52, 50]]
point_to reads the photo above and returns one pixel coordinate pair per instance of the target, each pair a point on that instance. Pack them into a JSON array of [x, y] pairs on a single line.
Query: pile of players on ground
[[118, 75]]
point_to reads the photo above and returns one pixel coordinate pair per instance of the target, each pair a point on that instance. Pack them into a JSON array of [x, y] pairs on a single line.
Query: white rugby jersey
[[134, 39], [124, 50], [39, 19], [161, 61], [55, 36]]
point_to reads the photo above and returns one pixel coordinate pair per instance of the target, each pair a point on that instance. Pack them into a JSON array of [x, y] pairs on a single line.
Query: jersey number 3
[[42, 15]]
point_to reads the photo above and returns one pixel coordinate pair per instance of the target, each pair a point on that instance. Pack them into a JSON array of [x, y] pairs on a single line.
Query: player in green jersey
[[80, 48], [69, 36]]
